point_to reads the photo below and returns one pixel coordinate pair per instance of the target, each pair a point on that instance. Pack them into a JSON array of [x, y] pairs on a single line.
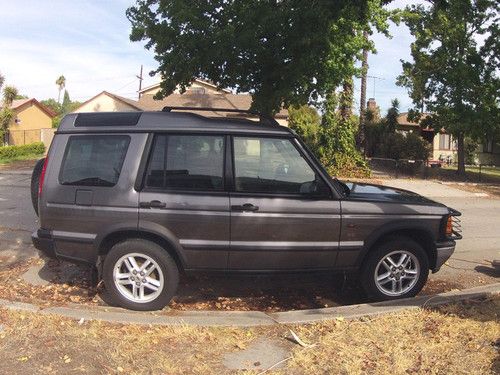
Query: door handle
[[152, 204], [246, 207]]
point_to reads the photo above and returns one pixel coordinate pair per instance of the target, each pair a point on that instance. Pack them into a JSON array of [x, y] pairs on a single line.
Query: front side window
[[271, 165], [186, 162], [93, 160]]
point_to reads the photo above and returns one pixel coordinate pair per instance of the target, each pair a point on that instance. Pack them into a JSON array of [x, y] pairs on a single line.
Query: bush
[[305, 121], [10, 152], [346, 166], [398, 146]]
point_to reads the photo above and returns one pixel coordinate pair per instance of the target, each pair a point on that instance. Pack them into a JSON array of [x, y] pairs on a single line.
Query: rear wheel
[[396, 269], [140, 275], [35, 183]]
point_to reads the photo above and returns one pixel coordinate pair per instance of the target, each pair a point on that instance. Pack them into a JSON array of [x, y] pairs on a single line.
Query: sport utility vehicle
[[145, 195]]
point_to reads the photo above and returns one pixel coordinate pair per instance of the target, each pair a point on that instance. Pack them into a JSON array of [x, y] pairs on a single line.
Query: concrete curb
[[252, 318], [16, 172]]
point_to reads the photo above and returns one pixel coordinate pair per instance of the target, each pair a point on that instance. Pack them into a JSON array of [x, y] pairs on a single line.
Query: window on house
[[186, 162], [488, 146], [444, 142], [196, 90]]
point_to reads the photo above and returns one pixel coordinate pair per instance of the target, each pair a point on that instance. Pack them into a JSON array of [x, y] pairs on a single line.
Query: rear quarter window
[[93, 160]]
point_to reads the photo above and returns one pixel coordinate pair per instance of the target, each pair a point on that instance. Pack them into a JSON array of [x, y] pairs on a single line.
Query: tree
[[305, 121], [2, 80], [337, 137], [455, 69], [61, 84], [59, 109], [6, 113], [283, 52]]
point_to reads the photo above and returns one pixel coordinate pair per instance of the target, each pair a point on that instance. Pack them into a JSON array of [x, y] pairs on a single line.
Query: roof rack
[[263, 118]]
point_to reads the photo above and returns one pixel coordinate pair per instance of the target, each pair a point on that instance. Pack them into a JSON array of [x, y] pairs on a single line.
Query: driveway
[[468, 267]]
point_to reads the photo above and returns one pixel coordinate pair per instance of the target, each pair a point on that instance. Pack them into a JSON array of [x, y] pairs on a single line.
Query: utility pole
[[374, 82], [140, 83]]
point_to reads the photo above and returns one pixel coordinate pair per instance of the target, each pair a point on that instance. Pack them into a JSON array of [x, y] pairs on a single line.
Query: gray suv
[[146, 195]]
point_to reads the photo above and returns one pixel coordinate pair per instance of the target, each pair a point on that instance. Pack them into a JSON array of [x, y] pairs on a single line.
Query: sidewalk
[[431, 189]]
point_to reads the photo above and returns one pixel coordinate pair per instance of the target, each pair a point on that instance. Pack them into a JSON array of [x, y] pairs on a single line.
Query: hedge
[[8, 152]]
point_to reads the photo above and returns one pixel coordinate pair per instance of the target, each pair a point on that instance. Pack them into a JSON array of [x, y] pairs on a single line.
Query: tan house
[[32, 122], [199, 94], [444, 146], [108, 102]]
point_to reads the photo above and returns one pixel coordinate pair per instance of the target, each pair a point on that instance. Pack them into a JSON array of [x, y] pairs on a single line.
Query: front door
[[184, 198], [283, 215]]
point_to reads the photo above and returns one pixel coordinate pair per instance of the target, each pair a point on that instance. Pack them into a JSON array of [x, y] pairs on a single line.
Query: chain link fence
[[422, 169]]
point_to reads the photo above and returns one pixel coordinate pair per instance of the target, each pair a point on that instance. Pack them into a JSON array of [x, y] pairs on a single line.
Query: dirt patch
[[493, 190], [70, 283], [202, 292]]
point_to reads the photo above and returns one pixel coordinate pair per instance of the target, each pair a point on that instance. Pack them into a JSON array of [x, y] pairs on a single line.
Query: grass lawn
[[20, 158], [456, 339], [491, 174]]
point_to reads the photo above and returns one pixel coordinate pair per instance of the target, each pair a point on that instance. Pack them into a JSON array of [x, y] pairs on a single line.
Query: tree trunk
[[461, 155], [346, 99], [360, 139]]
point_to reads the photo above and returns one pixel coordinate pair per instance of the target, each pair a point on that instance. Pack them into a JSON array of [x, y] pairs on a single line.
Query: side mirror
[[309, 188]]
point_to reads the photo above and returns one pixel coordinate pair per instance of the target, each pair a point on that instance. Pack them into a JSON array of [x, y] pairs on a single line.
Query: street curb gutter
[[252, 318], [16, 172]]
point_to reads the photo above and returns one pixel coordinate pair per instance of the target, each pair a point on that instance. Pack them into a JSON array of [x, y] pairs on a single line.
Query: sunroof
[[107, 119]]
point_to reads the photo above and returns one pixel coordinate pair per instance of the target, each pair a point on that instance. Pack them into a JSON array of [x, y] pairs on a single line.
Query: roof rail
[[263, 118]]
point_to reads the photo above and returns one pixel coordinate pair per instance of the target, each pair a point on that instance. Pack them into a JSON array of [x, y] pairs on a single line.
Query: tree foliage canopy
[[455, 68], [283, 52]]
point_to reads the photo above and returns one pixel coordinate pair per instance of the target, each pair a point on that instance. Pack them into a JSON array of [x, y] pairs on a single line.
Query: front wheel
[[140, 275], [396, 269]]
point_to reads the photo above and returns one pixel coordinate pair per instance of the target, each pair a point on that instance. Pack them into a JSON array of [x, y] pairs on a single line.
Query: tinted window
[[187, 162], [94, 160], [270, 165]]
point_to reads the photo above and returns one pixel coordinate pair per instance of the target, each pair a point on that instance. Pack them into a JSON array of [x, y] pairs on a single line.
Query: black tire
[[35, 183], [164, 261], [369, 268]]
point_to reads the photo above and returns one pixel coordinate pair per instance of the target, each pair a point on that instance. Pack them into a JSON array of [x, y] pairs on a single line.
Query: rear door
[[283, 215], [91, 191], [184, 197]]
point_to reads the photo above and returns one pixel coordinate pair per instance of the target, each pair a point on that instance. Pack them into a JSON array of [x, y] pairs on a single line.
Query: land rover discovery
[[146, 195]]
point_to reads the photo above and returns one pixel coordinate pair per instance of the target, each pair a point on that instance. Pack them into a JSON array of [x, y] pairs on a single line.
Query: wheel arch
[[420, 234], [170, 245]]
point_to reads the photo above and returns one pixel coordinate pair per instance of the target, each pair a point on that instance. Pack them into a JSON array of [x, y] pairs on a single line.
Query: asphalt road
[[480, 222]]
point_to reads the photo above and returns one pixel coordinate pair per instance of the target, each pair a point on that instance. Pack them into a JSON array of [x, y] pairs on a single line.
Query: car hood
[[381, 193]]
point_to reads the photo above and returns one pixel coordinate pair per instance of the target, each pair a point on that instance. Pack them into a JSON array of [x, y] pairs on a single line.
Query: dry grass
[[456, 339], [37, 344]]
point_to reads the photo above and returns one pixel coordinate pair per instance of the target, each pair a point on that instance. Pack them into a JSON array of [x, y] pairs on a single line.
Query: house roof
[[403, 119], [130, 102], [198, 80], [230, 101], [219, 100], [19, 104]]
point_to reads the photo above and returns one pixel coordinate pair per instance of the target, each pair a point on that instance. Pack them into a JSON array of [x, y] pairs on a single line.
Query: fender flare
[[394, 227]]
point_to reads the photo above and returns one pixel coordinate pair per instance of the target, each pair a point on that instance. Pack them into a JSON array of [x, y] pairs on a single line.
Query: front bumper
[[43, 241], [444, 250]]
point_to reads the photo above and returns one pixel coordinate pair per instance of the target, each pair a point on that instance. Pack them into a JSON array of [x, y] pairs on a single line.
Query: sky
[[87, 41]]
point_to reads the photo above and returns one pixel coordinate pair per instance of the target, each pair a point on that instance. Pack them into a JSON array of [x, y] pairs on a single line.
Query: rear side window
[[93, 160], [187, 162]]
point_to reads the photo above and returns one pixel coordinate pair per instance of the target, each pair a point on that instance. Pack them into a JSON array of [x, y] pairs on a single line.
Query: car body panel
[[286, 233]]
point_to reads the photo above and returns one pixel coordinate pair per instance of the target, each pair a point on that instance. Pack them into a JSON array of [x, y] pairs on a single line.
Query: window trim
[[66, 150], [154, 136], [302, 153]]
